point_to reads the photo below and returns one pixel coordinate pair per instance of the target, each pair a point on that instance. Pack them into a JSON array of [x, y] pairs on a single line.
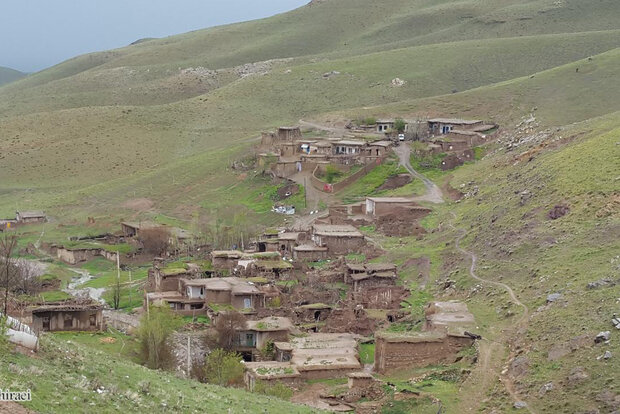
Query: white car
[[401, 137]]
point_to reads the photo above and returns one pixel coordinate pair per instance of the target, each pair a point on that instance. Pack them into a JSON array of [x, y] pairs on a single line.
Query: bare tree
[[227, 326], [27, 277], [155, 241], [8, 268]]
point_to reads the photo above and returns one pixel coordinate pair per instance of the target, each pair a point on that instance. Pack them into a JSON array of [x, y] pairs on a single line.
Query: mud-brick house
[[339, 239], [67, 317], [161, 278], [370, 275], [225, 259], [271, 269], [78, 254], [288, 240], [288, 133], [192, 297], [249, 341], [376, 149], [348, 147], [404, 350], [270, 373], [29, 217], [321, 355], [386, 125], [442, 126], [446, 332], [309, 252], [313, 312]]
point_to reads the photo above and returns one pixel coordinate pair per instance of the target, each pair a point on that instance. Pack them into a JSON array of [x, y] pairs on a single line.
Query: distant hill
[[9, 75]]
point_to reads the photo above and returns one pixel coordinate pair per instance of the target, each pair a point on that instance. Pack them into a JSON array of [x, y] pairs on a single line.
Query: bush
[[156, 326], [278, 390], [269, 350], [275, 302], [400, 125], [223, 368], [332, 173]]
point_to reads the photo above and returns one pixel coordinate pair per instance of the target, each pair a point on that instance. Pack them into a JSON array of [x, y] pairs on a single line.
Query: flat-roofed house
[[339, 239], [442, 126], [68, 317], [321, 355], [27, 217]]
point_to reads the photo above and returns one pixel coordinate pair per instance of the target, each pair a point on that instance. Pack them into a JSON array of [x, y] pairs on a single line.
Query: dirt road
[[486, 349], [433, 192]]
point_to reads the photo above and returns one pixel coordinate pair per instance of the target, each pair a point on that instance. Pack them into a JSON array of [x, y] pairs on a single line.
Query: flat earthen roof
[[334, 230], [455, 121]]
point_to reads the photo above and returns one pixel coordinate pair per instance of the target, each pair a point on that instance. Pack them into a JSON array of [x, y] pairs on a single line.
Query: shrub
[[156, 326], [269, 350], [400, 125], [275, 302], [332, 173], [223, 368]]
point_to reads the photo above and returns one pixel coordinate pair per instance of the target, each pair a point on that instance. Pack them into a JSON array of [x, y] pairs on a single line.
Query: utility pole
[[305, 194], [189, 356]]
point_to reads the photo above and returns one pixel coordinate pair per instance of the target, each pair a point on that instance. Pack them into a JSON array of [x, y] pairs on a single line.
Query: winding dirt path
[[433, 192], [487, 349]]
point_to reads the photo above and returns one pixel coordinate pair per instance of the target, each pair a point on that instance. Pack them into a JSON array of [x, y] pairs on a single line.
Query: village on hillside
[[311, 301]]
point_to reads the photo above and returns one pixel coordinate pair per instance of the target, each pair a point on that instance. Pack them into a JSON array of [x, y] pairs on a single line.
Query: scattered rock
[[602, 337], [519, 366], [545, 388], [327, 75], [398, 82], [520, 404], [601, 283], [553, 297], [558, 211], [577, 375], [616, 322]]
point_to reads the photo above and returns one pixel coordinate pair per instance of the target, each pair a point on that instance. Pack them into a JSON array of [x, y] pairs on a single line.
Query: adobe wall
[[80, 321], [380, 297], [220, 297], [326, 373], [309, 255], [263, 337], [342, 245], [238, 301], [390, 356]]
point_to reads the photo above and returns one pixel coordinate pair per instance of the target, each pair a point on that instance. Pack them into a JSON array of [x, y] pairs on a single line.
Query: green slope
[[8, 75], [66, 375]]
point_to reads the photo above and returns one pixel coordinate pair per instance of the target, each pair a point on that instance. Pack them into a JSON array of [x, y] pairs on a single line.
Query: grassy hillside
[[9, 75], [75, 371], [508, 226]]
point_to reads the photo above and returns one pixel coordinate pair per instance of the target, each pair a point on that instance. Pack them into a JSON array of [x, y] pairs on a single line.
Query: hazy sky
[[35, 34]]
